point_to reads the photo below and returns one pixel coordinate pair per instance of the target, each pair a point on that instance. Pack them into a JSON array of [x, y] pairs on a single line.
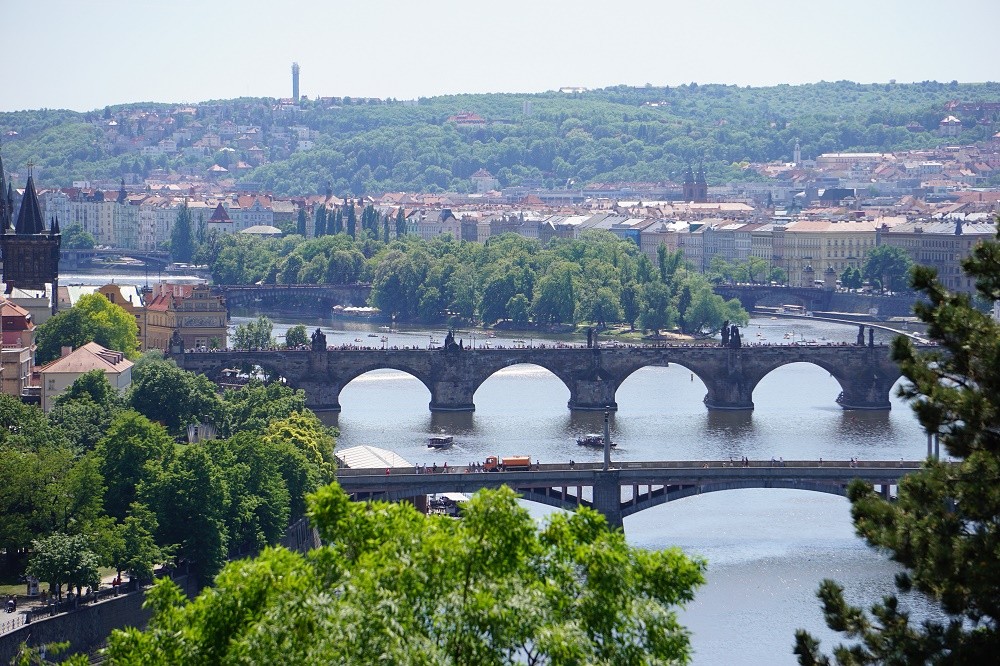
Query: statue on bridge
[[318, 340], [725, 333], [449, 343], [871, 336], [734, 337], [861, 335], [176, 343], [590, 337]]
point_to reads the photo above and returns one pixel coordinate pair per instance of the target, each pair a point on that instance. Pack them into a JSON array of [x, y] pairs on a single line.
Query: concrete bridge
[[812, 298], [629, 487], [866, 374]]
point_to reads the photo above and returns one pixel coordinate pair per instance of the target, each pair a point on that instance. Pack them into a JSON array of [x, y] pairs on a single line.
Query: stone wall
[[85, 628]]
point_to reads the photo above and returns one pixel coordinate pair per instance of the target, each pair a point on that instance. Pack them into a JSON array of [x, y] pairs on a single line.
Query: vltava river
[[767, 549]]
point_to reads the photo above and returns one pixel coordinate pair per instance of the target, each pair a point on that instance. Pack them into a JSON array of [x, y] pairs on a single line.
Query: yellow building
[[195, 311]]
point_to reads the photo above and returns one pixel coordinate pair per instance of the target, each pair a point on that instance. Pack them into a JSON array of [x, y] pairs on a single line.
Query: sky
[[87, 55]]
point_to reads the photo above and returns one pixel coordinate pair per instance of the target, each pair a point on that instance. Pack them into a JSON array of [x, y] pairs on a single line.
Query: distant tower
[[797, 155], [30, 253], [295, 82], [700, 186], [689, 193]]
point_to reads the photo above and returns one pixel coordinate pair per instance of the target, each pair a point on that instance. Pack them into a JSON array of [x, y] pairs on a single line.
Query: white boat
[[440, 441], [592, 439]]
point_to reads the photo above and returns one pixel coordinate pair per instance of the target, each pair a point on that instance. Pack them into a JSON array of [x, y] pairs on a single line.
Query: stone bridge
[[629, 487], [866, 374], [298, 297]]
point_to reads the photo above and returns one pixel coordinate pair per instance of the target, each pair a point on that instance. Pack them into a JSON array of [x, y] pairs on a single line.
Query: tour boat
[[592, 439], [440, 442]]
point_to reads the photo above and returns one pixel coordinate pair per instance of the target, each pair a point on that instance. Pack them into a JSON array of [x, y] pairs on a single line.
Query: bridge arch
[[665, 494], [343, 381], [480, 381]]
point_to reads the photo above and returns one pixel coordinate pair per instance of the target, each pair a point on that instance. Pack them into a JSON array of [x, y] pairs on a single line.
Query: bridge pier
[[588, 395], [867, 394], [731, 395], [320, 396], [452, 396], [608, 497]]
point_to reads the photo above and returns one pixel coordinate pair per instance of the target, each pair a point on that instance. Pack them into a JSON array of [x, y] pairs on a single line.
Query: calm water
[[767, 549]]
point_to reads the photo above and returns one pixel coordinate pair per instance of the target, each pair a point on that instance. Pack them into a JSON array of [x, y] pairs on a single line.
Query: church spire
[[5, 214], [29, 218]]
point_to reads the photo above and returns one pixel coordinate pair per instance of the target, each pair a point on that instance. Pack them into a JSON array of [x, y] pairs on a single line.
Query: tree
[[60, 560], [400, 222], [657, 310], [888, 266], [944, 527], [352, 223], [519, 307], [256, 334], [319, 228], [605, 307], [75, 238], [176, 398], [135, 550], [296, 336], [125, 454], [256, 405], [300, 222], [189, 497], [307, 433], [492, 588], [93, 319], [851, 278], [182, 237], [93, 386]]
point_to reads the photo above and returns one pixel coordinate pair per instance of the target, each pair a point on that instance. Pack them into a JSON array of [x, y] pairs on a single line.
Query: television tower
[[295, 83]]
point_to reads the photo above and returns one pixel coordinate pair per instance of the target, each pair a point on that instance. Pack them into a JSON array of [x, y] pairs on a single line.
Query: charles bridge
[[866, 374], [626, 488]]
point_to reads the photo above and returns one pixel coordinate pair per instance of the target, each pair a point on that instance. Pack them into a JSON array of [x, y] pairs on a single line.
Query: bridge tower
[[30, 252]]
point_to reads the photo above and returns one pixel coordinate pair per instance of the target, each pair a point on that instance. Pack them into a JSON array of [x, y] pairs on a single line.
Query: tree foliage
[[93, 319], [945, 526], [491, 588]]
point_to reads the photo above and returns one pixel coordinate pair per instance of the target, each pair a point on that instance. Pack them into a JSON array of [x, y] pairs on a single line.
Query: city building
[[17, 355], [195, 311], [59, 375]]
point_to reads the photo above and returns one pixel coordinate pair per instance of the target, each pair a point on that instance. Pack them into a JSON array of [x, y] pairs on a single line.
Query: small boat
[[373, 335], [592, 439], [440, 442], [357, 339]]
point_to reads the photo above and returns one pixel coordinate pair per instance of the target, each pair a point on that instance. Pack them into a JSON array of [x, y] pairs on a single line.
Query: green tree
[[319, 228], [944, 527], [176, 398], [75, 238], [256, 405], [605, 307], [61, 559], [492, 588], [658, 312], [189, 497], [93, 386], [307, 433], [352, 224], [851, 278], [888, 267], [400, 223], [519, 307], [182, 237], [300, 222], [93, 319], [296, 336], [135, 550], [125, 453], [256, 334]]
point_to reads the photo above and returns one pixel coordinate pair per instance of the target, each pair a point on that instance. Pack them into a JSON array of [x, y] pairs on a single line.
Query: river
[[767, 550]]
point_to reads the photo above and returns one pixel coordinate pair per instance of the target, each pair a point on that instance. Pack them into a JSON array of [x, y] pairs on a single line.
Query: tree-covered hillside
[[614, 134]]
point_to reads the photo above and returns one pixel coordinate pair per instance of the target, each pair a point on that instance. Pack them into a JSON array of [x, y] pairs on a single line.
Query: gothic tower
[[689, 185], [30, 252], [700, 186]]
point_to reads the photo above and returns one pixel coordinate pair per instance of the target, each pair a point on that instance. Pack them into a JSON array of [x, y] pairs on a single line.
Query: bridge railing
[[651, 465]]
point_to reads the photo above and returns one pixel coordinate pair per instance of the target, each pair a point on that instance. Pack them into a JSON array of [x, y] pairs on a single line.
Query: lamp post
[[607, 439]]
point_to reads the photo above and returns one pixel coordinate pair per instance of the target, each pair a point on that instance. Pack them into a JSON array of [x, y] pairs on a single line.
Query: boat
[[592, 439], [440, 441], [373, 335]]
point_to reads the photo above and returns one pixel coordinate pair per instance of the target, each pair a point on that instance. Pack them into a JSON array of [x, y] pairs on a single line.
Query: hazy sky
[[85, 55]]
